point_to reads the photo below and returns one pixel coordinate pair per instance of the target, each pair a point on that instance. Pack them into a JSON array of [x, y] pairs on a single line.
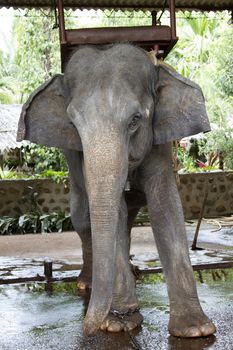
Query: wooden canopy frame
[[155, 37]]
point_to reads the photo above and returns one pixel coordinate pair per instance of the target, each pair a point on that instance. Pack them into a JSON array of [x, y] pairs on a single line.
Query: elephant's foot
[[84, 281], [191, 325], [117, 322]]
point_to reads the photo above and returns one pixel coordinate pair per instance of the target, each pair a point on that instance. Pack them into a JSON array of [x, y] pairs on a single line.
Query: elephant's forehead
[[113, 55], [121, 85], [108, 74], [107, 67]]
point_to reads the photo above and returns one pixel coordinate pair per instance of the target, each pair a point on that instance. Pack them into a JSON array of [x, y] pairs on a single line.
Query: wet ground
[[32, 318]]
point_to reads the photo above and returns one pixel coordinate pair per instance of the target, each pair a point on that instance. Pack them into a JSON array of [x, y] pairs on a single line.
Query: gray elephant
[[115, 115]]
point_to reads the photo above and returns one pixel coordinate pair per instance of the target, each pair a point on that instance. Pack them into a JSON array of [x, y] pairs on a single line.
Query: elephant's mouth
[[133, 162], [133, 159]]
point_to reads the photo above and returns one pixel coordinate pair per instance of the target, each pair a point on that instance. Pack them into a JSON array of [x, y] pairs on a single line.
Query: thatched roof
[[9, 116], [202, 5]]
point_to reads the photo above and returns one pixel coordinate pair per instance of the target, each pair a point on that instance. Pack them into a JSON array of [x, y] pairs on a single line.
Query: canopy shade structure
[[201, 5]]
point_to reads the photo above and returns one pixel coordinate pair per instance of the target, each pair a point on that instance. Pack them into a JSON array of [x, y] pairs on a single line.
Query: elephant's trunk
[[106, 174]]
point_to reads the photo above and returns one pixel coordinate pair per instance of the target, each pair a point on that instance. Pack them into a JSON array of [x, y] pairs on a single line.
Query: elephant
[[115, 115]]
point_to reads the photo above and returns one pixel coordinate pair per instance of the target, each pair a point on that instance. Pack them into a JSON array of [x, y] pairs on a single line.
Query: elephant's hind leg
[[80, 215], [135, 200]]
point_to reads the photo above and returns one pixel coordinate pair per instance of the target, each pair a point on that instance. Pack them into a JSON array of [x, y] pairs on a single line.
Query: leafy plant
[[142, 217], [28, 223], [221, 141], [38, 44], [11, 174], [56, 222], [56, 176], [41, 159], [35, 222], [186, 162], [9, 85], [8, 225]]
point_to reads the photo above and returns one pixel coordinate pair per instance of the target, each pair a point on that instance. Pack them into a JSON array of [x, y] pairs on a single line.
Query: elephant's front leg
[[187, 318], [124, 313], [80, 215]]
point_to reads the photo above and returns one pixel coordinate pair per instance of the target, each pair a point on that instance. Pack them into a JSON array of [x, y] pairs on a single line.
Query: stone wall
[[21, 196], [219, 186]]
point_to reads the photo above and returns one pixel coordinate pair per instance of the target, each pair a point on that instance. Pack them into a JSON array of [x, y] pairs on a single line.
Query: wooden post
[[154, 18], [172, 9], [194, 244], [61, 20], [48, 269]]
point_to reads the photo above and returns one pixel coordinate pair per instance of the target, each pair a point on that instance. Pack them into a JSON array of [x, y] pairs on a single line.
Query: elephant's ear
[[179, 107], [44, 119]]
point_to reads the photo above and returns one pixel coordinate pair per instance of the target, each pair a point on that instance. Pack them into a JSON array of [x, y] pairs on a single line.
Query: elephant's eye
[[134, 122]]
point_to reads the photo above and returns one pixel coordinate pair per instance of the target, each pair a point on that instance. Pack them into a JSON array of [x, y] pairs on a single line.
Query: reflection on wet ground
[[31, 318], [211, 233], [205, 256], [11, 267]]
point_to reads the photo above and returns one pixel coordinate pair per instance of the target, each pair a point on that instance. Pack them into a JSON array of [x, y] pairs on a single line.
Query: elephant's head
[[112, 104]]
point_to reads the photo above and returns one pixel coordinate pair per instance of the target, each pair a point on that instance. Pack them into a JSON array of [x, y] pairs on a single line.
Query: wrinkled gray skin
[[115, 115]]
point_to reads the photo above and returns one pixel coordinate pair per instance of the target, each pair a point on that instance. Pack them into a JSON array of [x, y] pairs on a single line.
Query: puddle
[[205, 256], [22, 268], [31, 318], [16, 268], [211, 234]]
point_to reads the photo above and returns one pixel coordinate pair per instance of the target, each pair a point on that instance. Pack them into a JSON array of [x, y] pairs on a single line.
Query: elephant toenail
[[207, 329], [115, 327], [103, 326], [192, 332]]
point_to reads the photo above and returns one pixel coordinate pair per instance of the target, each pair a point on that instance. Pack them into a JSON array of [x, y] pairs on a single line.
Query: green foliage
[[204, 54], [213, 277], [187, 164], [196, 33], [224, 62], [42, 159], [38, 162], [35, 222], [186, 161], [56, 176], [153, 278], [10, 174], [6, 90], [142, 217], [37, 53], [221, 141], [11, 161], [69, 288], [8, 224], [55, 222], [8, 83]]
